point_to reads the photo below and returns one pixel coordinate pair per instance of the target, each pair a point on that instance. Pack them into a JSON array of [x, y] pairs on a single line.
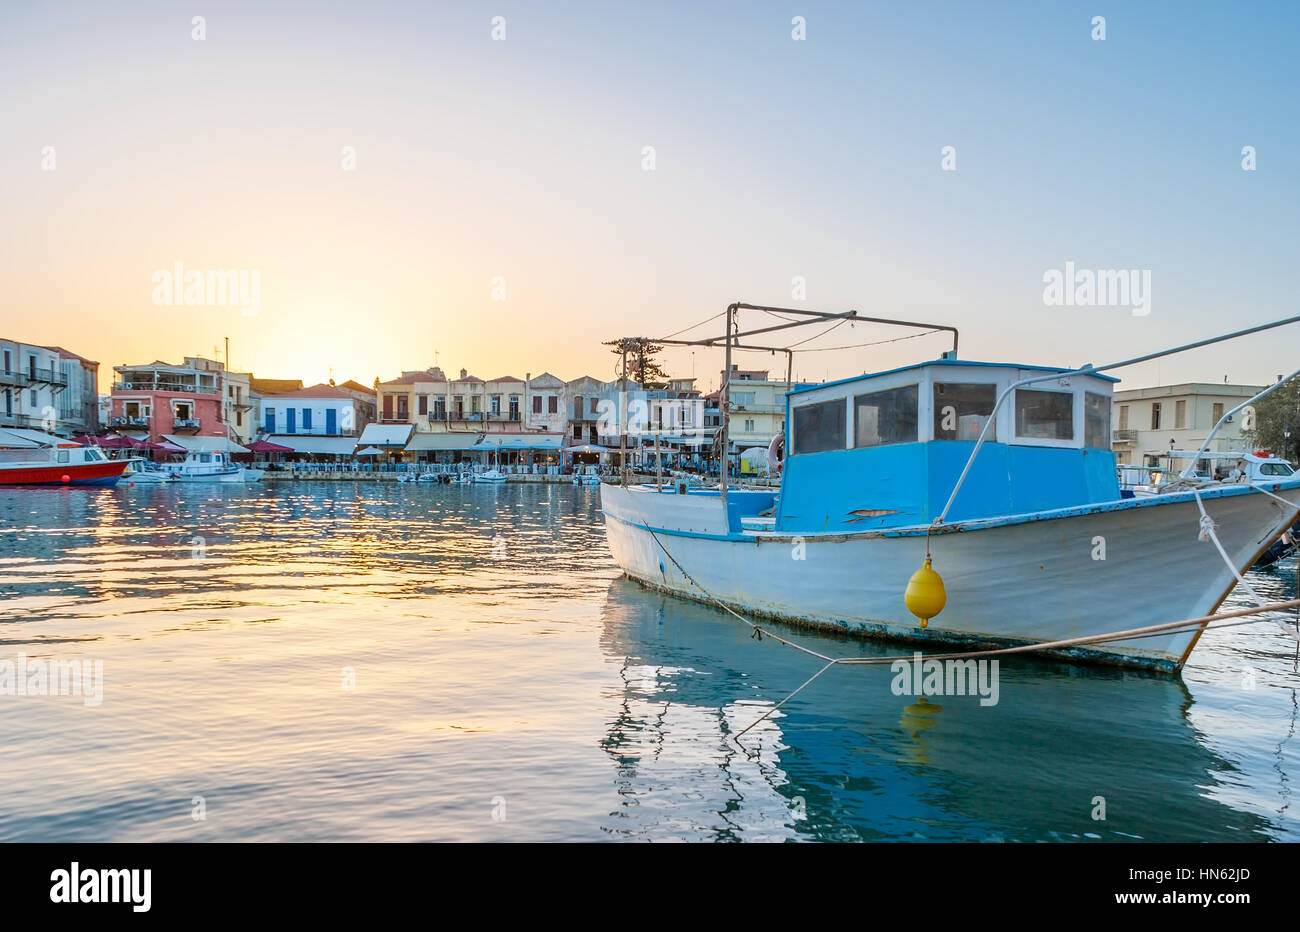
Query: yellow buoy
[[925, 596]]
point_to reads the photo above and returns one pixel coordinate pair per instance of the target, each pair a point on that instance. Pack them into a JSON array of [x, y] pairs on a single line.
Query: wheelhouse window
[[882, 418], [1044, 415], [1096, 421], [961, 410], [819, 427], [1275, 469]]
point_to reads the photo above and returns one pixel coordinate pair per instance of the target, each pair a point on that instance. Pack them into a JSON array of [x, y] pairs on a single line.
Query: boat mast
[[724, 408], [622, 418]]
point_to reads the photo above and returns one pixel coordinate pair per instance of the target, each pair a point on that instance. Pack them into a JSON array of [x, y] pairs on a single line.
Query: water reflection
[[848, 759]]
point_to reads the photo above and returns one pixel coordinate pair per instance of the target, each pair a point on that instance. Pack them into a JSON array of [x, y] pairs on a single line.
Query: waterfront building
[[1148, 422], [158, 400], [757, 404], [320, 410], [547, 404], [363, 398], [32, 379], [237, 406], [78, 403], [582, 397]]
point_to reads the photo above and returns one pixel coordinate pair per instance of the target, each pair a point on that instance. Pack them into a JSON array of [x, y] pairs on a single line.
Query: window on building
[[1096, 421], [1044, 415], [742, 399], [1216, 411], [552, 404], [1155, 415], [749, 425], [8, 363], [440, 409], [36, 399], [403, 407], [306, 418], [422, 404], [388, 408], [577, 431], [593, 405], [961, 410], [537, 404], [474, 404], [1180, 415], [496, 405], [514, 407], [1123, 417], [819, 426], [577, 407], [886, 417]]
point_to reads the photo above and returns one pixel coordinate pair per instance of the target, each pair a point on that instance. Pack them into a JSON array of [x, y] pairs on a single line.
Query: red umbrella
[[266, 446], [166, 446], [118, 443]]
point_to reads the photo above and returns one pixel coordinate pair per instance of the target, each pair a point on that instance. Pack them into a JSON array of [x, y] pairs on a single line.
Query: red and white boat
[[30, 457]]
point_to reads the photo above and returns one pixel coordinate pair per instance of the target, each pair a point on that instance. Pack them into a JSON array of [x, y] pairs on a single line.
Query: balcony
[[162, 386], [13, 378], [185, 425], [26, 420], [1123, 436], [129, 423], [47, 377]]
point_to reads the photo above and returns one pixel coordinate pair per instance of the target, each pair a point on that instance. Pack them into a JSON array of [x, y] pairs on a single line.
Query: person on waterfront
[[1237, 474]]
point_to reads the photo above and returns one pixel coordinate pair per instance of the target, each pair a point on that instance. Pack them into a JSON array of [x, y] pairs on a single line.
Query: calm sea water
[[378, 661]]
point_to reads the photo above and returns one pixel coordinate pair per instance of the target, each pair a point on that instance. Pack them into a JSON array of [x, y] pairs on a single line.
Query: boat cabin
[[886, 449]]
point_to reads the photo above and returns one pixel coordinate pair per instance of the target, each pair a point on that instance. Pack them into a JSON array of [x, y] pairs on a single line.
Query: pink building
[[149, 402]]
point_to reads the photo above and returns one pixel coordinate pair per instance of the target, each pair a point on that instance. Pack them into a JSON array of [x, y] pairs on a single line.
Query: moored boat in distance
[[31, 457], [204, 466], [1026, 524]]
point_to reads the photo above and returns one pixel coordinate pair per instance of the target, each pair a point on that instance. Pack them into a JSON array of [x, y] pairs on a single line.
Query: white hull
[[1008, 582], [240, 476]]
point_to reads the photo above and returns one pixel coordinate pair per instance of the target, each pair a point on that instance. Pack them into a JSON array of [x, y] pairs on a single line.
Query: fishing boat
[[493, 474], [32, 457], [210, 466], [1026, 525], [142, 472]]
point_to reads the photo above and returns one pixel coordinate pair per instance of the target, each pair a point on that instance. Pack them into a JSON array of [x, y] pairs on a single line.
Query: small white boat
[[139, 471], [490, 476], [585, 478], [209, 467]]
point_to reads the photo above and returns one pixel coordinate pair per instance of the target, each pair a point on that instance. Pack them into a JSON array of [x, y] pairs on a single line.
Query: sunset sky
[[523, 158]]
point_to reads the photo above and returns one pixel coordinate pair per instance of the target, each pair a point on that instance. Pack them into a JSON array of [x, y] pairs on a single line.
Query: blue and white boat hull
[[1048, 576]]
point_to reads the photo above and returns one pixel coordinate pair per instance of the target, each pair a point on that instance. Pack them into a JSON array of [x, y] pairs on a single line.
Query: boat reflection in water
[[848, 759]]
